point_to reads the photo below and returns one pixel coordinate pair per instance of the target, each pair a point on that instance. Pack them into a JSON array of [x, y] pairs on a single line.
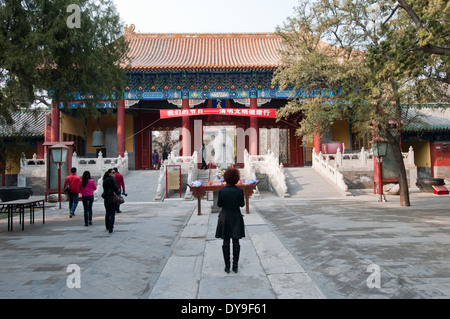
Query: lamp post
[[59, 154], [380, 151]]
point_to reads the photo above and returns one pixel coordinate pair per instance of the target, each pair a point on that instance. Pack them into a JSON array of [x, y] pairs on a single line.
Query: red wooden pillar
[[186, 130], [254, 129], [120, 128], [54, 122], [317, 142]]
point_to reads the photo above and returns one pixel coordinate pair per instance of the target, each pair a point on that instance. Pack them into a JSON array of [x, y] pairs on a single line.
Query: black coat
[[110, 186], [231, 223]]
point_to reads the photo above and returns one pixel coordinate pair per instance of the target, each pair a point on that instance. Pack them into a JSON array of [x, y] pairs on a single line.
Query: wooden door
[[295, 149], [142, 142]]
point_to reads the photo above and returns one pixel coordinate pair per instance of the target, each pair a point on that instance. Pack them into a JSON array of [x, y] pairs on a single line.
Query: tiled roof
[[26, 123], [429, 119], [175, 52]]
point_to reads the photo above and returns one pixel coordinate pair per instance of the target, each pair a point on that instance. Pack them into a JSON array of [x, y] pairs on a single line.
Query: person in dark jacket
[[109, 187], [204, 166], [165, 155], [231, 223], [155, 160]]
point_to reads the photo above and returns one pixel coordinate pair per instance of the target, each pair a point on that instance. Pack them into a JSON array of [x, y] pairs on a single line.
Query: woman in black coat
[[231, 223], [109, 187]]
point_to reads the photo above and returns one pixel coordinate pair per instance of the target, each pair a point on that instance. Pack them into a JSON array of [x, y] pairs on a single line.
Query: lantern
[[58, 153]]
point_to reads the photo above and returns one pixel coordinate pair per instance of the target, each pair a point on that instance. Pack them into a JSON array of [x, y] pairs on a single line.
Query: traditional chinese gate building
[[184, 76]]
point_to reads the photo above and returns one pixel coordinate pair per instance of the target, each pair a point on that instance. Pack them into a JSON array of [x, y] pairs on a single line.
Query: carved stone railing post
[[161, 188]]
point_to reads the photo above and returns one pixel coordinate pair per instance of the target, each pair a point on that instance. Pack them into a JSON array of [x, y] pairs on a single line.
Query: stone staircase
[[305, 182], [204, 176]]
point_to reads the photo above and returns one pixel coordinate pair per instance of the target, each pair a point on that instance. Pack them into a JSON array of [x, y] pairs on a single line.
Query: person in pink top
[[87, 187]]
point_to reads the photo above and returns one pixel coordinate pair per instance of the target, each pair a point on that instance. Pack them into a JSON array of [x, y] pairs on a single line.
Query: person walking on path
[[109, 187], [155, 159], [165, 155], [87, 188], [121, 183], [73, 181], [204, 166], [230, 222]]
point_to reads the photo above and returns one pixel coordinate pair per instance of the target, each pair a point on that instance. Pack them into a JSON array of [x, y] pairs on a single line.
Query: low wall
[[358, 179], [10, 179], [363, 179], [442, 172]]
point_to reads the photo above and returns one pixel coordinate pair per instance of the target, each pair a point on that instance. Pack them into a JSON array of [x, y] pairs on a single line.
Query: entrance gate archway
[[213, 151]]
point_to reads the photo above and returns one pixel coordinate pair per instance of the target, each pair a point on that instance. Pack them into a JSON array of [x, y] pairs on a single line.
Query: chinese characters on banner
[[266, 113]]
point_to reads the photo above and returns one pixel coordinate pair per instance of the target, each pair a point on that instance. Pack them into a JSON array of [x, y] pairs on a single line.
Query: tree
[[57, 49], [380, 57], [429, 30]]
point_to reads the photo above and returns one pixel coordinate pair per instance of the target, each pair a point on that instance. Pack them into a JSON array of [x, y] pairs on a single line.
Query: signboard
[[390, 169], [173, 181], [173, 178], [218, 104], [265, 113]]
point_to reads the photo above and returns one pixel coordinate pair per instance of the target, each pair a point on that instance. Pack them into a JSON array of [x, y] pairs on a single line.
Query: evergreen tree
[[54, 49], [380, 57]]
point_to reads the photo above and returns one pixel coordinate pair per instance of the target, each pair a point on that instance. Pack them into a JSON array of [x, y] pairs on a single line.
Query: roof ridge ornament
[[128, 31]]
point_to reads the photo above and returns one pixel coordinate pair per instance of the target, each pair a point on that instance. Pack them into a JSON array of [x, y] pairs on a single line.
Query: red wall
[[440, 156]]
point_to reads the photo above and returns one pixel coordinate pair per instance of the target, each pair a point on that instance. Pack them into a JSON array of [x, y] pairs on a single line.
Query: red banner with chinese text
[[265, 113]]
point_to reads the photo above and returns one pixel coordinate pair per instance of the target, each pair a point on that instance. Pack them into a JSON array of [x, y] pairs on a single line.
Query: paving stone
[[315, 244]]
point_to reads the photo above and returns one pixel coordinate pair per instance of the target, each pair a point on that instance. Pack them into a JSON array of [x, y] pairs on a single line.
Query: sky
[[205, 16]]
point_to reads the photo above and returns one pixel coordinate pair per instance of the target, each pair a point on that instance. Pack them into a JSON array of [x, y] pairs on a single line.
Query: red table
[[200, 191]]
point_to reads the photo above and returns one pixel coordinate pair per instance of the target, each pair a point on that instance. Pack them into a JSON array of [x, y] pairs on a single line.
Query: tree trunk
[[394, 142]]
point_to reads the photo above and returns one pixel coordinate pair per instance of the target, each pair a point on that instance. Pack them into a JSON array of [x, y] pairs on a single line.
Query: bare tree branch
[[391, 15]]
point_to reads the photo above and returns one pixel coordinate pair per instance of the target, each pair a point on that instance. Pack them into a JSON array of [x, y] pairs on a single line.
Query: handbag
[[67, 188], [118, 199]]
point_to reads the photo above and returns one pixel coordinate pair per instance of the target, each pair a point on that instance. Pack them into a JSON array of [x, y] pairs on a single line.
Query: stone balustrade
[[266, 164], [322, 164], [98, 166], [334, 166], [35, 169]]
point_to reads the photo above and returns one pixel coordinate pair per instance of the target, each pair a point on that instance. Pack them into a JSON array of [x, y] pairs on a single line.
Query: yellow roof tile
[[207, 51]]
